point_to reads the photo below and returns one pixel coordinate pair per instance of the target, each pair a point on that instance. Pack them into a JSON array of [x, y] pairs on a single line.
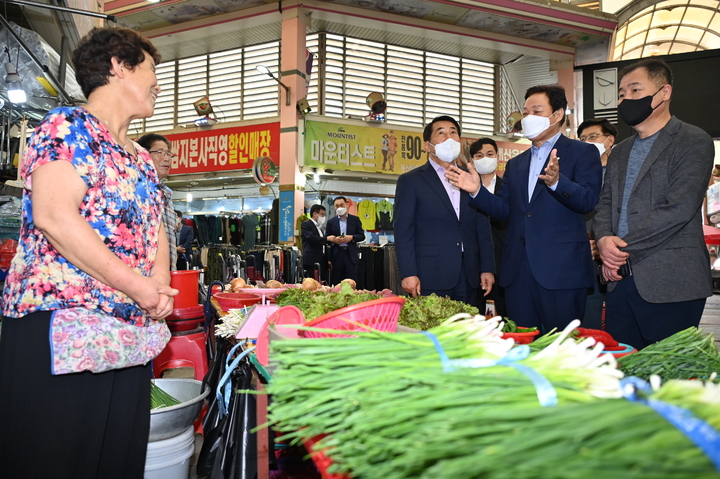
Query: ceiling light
[[15, 91], [266, 71], [189, 197]]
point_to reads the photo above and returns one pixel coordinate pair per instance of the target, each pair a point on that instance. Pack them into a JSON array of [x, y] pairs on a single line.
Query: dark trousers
[[593, 305], [531, 305], [461, 292], [342, 266], [632, 320], [71, 426]]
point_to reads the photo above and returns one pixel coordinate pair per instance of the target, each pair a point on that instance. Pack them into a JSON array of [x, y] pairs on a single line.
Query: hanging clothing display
[[366, 213], [250, 223], [384, 215]]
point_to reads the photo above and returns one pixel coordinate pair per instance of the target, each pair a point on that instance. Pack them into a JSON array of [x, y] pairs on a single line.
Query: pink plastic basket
[[378, 314]]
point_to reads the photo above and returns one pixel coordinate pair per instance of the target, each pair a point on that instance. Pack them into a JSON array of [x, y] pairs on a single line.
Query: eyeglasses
[[167, 153], [592, 137]]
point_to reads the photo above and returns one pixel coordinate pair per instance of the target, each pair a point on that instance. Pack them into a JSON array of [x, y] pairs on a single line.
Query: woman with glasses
[[159, 148], [90, 279]]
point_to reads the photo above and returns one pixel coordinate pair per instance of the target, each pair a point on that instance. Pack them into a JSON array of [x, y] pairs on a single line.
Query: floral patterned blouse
[[123, 204]]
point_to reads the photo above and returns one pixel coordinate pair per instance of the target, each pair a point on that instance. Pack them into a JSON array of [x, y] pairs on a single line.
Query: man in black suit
[[443, 245], [184, 242], [484, 153], [344, 232], [314, 241]]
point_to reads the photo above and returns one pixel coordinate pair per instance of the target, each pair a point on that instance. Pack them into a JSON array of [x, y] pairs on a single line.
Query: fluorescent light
[[15, 91], [16, 94]]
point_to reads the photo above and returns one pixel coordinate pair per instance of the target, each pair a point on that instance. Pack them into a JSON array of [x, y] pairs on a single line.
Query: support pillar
[[292, 74]]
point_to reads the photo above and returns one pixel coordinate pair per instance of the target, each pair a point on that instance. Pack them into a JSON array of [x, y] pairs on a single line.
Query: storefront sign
[[223, 149], [287, 230], [378, 150]]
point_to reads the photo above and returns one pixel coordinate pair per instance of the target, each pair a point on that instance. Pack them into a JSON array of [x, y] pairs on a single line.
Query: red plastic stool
[[185, 349]]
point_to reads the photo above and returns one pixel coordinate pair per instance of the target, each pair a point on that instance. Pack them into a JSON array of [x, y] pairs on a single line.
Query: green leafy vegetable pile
[[427, 312], [317, 303], [687, 354]]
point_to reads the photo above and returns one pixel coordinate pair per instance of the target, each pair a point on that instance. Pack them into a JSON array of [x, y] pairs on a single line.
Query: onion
[[310, 284], [273, 284], [236, 284]]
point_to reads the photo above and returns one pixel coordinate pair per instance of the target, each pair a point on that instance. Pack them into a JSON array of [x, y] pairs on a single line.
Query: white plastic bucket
[[170, 458]]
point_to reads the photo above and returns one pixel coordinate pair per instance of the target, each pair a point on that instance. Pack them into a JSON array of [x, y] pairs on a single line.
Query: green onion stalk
[[606, 439], [687, 354], [382, 396]]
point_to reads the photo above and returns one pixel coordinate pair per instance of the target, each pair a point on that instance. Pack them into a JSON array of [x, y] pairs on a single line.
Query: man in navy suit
[[443, 245], [314, 242], [547, 190], [344, 231]]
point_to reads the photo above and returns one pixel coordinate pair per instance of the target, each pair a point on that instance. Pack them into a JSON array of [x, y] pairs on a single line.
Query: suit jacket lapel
[[666, 136], [524, 160], [429, 174]]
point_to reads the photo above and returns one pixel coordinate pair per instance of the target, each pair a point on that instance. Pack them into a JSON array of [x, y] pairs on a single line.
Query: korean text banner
[[224, 149], [372, 149]]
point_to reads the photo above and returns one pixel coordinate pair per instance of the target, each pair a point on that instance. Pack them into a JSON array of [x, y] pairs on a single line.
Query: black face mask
[[634, 112]]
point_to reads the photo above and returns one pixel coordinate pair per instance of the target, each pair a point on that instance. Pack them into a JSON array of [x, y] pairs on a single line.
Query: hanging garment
[[366, 213], [384, 215]]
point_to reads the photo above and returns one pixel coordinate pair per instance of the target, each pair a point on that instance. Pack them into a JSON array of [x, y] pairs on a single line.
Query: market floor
[[710, 322]]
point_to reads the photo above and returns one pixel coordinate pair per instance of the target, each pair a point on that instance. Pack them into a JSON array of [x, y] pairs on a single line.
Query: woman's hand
[[156, 298]]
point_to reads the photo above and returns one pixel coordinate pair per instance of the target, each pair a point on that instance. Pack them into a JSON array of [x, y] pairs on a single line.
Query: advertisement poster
[[287, 229], [223, 149], [378, 150]]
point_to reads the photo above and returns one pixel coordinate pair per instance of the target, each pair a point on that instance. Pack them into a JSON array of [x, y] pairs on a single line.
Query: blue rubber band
[[223, 397], [702, 434], [441, 352], [546, 393]]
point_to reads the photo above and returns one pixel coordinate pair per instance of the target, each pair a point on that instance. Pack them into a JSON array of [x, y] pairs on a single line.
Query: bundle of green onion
[[611, 438], [687, 354], [383, 396], [159, 398]]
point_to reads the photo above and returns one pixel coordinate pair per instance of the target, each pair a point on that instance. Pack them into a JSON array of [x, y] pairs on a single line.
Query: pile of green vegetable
[[688, 354], [159, 398], [317, 303], [427, 312], [393, 410], [421, 312], [510, 326]]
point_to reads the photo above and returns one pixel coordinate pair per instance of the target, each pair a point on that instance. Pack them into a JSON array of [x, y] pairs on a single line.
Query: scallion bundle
[[159, 398], [381, 396], [687, 354]]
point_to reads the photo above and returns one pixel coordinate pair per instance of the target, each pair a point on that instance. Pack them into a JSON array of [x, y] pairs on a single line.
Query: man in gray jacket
[[648, 223]]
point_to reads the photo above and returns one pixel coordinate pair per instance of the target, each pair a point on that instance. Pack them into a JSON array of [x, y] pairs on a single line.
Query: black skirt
[[73, 426]]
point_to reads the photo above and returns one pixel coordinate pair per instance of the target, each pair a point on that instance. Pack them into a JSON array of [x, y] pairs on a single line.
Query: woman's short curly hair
[[93, 55]]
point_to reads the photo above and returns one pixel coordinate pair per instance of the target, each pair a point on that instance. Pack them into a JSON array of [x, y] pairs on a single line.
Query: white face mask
[[534, 125], [601, 147], [448, 150], [321, 220], [341, 211], [485, 166]]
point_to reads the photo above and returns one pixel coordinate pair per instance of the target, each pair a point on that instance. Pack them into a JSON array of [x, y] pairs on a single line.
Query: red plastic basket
[[379, 314], [228, 301]]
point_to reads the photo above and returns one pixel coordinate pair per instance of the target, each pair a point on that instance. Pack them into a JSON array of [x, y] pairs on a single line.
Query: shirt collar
[[548, 145]]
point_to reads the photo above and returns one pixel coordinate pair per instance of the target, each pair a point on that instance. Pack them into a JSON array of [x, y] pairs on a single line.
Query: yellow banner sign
[[377, 150]]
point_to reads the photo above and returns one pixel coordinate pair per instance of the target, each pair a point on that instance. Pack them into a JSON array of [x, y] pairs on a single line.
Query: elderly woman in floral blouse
[[90, 280]]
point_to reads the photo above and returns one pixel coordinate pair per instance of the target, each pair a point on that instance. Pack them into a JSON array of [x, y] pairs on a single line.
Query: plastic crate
[[376, 315]]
